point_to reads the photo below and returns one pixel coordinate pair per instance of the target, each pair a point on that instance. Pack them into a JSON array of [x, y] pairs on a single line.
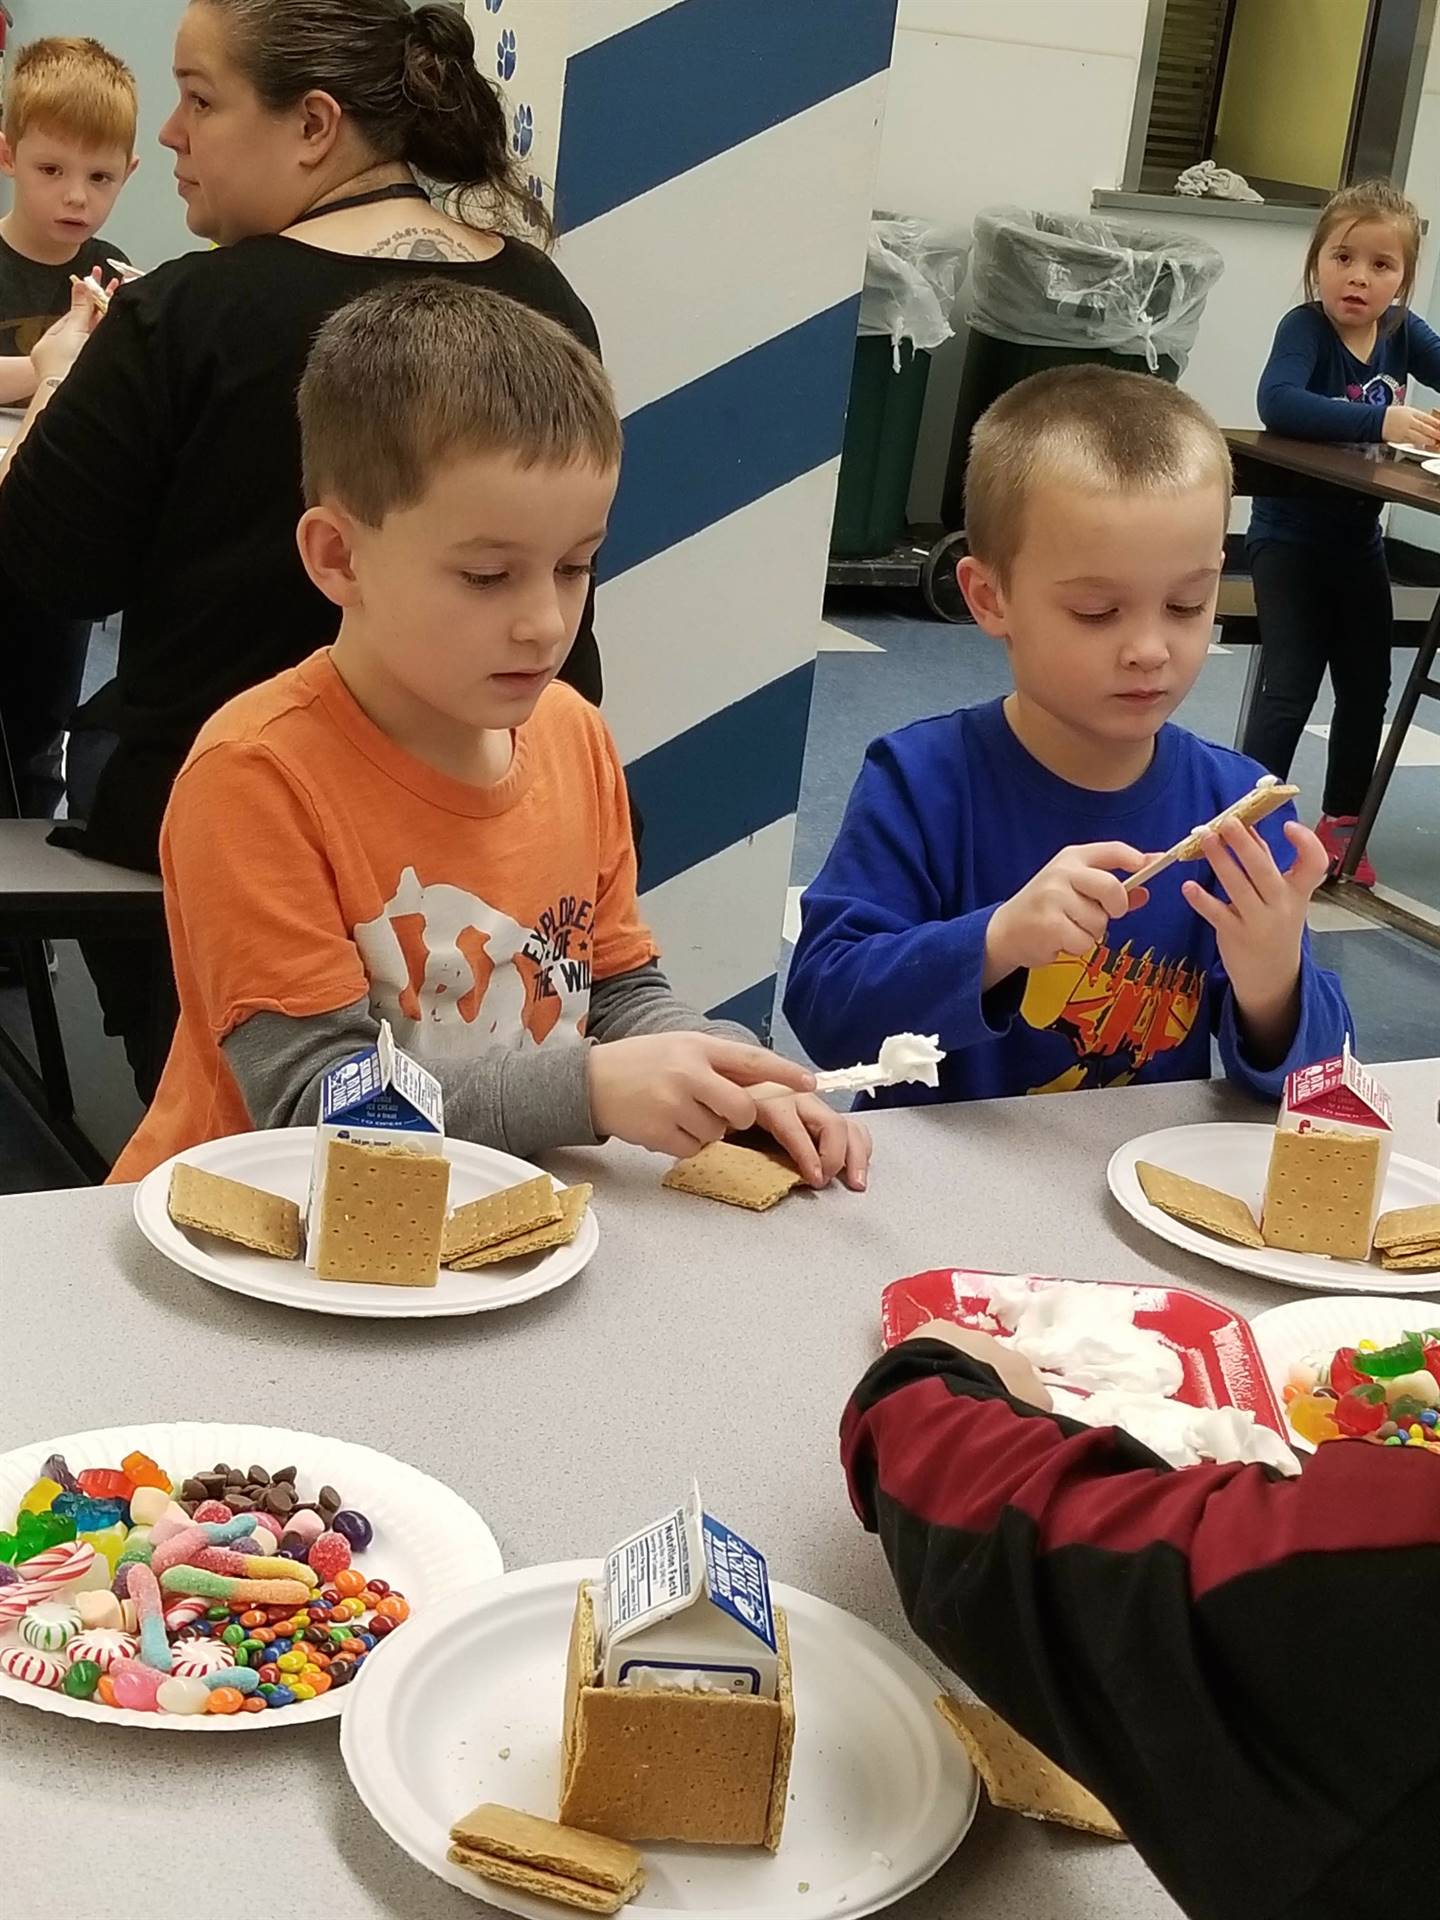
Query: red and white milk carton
[[1337, 1096], [1328, 1202]]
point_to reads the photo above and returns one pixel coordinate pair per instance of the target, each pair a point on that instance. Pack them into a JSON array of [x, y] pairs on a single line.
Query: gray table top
[[736, 1336], [30, 865]]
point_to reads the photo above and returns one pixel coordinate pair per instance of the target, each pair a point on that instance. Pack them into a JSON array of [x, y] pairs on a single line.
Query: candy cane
[[43, 1577], [184, 1613]]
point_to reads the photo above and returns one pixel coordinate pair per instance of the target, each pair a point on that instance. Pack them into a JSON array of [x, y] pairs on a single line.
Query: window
[[1300, 96]]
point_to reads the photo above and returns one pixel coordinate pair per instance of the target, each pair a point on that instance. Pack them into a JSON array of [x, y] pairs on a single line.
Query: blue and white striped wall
[[713, 162]]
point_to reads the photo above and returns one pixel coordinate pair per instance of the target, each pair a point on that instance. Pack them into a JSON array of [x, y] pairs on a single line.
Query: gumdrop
[[1313, 1418], [329, 1555]]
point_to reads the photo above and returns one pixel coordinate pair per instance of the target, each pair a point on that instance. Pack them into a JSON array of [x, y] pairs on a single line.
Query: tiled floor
[[920, 667]]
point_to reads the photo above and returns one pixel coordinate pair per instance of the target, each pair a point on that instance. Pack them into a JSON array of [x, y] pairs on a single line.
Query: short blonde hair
[[1352, 207], [72, 87], [1091, 428], [409, 377]]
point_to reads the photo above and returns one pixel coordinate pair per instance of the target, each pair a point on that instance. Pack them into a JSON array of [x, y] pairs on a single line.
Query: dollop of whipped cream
[[904, 1056], [1087, 1336], [1182, 1436]]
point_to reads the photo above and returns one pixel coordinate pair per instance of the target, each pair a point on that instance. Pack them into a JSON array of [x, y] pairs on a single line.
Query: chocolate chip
[[220, 1467], [285, 1473], [330, 1501], [193, 1490], [212, 1483], [258, 1477], [278, 1500]]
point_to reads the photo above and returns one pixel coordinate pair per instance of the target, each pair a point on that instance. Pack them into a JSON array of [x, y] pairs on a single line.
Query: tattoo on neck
[[422, 243]]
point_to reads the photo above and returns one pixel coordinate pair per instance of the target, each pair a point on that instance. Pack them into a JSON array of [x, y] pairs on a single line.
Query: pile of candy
[[1366, 1392], [113, 1589]]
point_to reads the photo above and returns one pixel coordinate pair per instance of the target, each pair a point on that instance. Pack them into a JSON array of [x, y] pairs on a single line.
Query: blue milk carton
[[686, 1606], [379, 1098]]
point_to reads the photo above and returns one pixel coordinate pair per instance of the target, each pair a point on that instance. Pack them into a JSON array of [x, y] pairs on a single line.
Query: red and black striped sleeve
[[1221, 1654]]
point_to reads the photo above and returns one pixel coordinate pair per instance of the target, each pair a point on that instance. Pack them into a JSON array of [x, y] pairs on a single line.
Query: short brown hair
[[1092, 428], [404, 379], [72, 87], [1368, 200]]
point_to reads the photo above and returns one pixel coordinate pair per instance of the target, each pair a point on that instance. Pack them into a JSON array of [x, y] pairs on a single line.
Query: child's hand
[[57, 350], [676, 1092], [1064, 909], [1260, 924], [820, 1141], [1415, 425], [1017, 1375]]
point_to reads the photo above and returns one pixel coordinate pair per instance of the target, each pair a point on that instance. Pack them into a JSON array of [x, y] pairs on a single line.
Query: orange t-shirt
[[309, 863]]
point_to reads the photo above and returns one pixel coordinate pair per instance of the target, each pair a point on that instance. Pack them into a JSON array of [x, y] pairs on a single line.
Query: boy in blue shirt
[[975, 884]]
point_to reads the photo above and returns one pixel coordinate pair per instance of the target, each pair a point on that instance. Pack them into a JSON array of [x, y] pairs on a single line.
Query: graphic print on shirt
[[1118, 1011], [454, 975], [1381, 390]]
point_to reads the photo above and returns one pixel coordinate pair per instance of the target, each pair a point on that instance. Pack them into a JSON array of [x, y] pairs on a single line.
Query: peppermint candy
[[193, 1659], [103, 1645], [30, 1663], [49, 1626]]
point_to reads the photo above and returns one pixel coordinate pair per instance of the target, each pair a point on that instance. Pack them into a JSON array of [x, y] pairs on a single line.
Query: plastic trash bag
[[913, 273], [1061, 280]]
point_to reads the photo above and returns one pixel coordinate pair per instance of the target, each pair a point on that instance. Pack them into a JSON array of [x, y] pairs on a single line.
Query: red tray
[[1221, 1362]]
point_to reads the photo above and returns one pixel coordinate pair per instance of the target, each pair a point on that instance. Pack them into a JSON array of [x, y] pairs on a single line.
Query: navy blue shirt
[[1314, 388], [952, 816]]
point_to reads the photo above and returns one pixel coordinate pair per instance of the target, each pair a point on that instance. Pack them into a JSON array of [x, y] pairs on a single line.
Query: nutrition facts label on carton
[[651, 1573]]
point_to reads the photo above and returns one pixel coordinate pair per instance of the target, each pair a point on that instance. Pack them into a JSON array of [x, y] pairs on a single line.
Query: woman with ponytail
[[328, 147]]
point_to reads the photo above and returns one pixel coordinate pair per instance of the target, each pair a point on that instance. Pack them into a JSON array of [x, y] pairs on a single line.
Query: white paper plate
[[1412, 449], [1235, 1159], [467, 1708], [279, 1162], [1431, 466], [428, 1543], [1287, 1334]]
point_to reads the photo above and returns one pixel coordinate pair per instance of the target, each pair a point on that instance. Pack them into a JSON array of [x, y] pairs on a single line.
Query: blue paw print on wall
[[505, 55], [534, 206], [493, 6], [523, 136]]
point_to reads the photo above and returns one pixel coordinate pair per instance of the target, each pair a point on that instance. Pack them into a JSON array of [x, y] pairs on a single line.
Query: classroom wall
[[1423, 529], [1289, 88], [714, 165], [149, 218]]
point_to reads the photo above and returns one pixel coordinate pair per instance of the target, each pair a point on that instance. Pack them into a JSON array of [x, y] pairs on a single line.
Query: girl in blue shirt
[[1339, 370]]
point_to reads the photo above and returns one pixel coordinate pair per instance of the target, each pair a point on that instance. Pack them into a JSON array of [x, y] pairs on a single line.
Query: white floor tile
[[1421, 748]]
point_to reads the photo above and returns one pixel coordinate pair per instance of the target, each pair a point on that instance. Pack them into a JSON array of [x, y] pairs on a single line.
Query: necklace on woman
[[401, 190]]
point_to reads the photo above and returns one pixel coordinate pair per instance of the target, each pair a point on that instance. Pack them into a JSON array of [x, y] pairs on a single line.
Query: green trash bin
[[881, 431], [1048, 289]]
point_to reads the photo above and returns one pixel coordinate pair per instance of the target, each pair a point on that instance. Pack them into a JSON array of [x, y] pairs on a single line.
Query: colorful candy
[[154, 1643], [1389, 1395], [105, 1647], [194, 1659], [43, 1576], [135, 1685], [49, 1626], [31, 1663], [81, 1679], [182, 1696]]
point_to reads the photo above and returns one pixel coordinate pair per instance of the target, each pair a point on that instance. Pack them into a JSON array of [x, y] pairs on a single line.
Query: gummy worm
[[144, 1590], [268, 1593], [255, 1566], [176, 1551], [222, 1532], [243, 1679]]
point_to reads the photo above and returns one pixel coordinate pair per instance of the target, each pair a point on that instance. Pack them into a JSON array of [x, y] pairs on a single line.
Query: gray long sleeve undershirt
[[523, 1103]]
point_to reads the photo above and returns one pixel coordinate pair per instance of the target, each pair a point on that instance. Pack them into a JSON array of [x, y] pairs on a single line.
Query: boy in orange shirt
[[415, 824]]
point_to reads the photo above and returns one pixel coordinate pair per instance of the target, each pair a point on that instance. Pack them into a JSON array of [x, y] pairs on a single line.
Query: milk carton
[[379, 1098], [686, 1606], [1328, 1161]]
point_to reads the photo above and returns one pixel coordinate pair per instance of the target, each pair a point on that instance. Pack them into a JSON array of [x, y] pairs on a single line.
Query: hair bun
[[441, 32]]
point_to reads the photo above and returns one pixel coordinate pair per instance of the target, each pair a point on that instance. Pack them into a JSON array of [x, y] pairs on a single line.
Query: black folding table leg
[[45, 1024], [1419, 683]]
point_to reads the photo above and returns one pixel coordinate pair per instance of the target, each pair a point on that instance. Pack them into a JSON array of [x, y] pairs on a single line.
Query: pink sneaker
[[1334, 832]]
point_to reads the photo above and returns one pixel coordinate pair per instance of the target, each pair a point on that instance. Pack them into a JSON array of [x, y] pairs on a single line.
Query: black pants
[[1317, 611], [42, 663]]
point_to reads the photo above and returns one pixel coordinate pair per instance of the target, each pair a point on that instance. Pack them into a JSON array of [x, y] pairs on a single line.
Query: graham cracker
[[1422, 1260], [541, 1857], [382, 1214], [739, 1176], [1018, 1777], [707, 1768], [1198, 1205], [245, 1216], [500, 1216], [1319, 1193], [545, 1886], [1408, 1230], [571, 1205]]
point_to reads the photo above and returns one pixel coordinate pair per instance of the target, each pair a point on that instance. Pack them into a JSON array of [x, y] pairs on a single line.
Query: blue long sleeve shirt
[[1314, 388], [950, 817]]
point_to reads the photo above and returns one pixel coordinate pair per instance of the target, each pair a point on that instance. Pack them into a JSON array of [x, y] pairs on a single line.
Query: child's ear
[[7, 157], [134, 162], [326, 538], [984, 596]]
